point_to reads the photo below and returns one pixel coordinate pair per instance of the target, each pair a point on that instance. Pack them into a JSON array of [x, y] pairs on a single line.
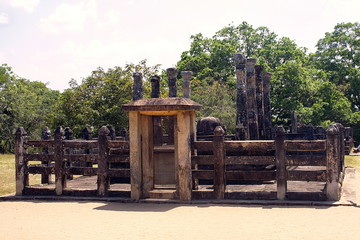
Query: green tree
[[327, 105], [211, 60], [218, 100], [23, 104], [98, 99], [292, 87], [338, 54], [315, 85]]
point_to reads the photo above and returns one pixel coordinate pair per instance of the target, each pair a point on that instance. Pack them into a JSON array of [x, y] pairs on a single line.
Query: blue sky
[[54, 41]]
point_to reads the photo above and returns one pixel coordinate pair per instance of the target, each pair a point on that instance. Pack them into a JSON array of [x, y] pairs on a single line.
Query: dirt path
[[79, 220]]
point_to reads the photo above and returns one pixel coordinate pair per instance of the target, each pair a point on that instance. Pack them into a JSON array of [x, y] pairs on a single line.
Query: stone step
[[162, 193]]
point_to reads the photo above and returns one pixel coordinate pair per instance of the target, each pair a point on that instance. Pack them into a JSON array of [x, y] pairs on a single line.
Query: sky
[[54, 41]]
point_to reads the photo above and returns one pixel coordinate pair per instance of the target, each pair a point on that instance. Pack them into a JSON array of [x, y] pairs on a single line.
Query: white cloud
[[111, 19], [4, 18], [69, 17], [27, 5]]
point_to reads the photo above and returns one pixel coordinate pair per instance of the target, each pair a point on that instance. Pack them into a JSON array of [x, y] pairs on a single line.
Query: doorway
[[164, 152]]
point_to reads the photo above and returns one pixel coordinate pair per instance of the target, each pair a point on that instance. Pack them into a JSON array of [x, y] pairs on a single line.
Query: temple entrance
[[164, 152], [164, 167], [153, 165]]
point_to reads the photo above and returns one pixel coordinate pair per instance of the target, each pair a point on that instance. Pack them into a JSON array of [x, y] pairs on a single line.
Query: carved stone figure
[[46, 134], [68, 134], [112, 133], [123, 133], [207, 125]]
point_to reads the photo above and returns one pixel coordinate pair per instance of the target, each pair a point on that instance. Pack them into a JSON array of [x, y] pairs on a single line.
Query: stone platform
[[84, 189]]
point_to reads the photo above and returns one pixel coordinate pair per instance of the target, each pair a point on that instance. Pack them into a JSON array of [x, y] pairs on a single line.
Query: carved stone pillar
[[186, 76], [251, 98], [155, 86], [157, 126], [242, 129], [267, 107], [137, 92], [171, 74], [260, 100]]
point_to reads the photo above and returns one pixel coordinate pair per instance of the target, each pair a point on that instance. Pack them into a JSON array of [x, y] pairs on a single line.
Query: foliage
[[338, 55], [300, 81], [327, 105], [98, 99], [291, 89], [22, 103], [211, 60], [218, 100]]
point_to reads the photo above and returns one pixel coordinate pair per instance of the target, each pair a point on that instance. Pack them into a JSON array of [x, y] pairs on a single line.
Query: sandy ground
[[40, 220], [93, 220]]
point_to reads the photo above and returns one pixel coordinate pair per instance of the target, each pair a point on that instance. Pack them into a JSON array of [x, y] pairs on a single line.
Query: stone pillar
[[171, 74], [251, 98], [341, 146], [242, 130], [147, 152], [155, 86], [45, 135], [195, 182], [157, 128], [135, 155], [60, 181], [86, 135], [259, 100], [186, 76], [102, 177], [67, 136], [267, 107], [219, 162], [20, 164], [333, 186], [183, 155], [294, 122], [281, 174], [137, 91]]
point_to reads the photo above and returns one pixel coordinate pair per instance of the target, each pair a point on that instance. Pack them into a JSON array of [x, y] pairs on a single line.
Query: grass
[[7, 172], [353, 161], [7, 175]]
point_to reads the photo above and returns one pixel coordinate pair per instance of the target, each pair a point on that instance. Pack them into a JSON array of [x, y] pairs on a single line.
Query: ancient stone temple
[[163, 159]]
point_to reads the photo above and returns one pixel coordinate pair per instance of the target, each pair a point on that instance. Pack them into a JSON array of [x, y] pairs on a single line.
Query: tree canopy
[[24, 103], [307, 83], [338, 54], [98, 99]]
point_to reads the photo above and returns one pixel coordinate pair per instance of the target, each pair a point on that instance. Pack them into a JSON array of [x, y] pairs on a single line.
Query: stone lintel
[[162, 104]]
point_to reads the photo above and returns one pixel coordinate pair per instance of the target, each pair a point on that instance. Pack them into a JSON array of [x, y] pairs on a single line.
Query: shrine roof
[[162, 104]]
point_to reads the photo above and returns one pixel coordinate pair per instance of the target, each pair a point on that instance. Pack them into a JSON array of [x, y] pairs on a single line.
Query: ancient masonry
[[180, 166], [253, 116]]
